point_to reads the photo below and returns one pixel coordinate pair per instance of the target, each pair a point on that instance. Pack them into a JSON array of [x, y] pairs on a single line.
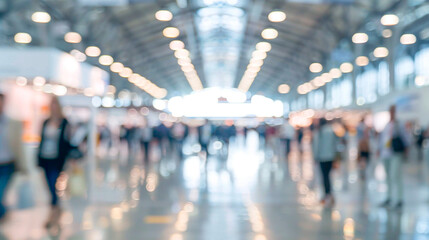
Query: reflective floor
[[254, 195]]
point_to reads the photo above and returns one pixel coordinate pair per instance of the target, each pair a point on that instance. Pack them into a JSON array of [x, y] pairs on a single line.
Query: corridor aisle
[[254, 196]]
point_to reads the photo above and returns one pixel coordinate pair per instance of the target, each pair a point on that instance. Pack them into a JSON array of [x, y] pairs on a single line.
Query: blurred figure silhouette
[[325, 149], [204, 135], [179, 132], [287, 132], [53, 151], [364, 152], [7, 156], [394, 145], [145, 140]]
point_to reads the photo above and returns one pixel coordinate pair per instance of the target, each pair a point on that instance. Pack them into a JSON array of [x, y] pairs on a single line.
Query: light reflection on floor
[[255, 195]]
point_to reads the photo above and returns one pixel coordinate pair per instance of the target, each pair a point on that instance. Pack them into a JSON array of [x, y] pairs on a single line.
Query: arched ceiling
[[220, 52]]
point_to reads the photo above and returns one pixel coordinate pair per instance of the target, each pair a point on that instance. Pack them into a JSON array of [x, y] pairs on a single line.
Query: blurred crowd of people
[[328, 140]]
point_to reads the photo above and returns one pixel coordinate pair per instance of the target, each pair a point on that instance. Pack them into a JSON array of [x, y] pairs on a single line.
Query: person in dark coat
[[53, 151]]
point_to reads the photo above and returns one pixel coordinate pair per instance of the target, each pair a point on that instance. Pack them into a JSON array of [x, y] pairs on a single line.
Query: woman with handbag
[[53, 151]]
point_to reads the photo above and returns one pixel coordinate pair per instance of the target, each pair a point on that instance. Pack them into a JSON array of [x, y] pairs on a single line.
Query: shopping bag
[[25, 194], [77, 183]]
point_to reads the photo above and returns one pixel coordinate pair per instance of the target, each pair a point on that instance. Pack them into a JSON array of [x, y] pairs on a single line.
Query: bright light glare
[[316, 67], [360, 38], [389, 20], [92, 51], [41, 17], [163, 15], [283, 88], [171, 32], [362, 61], [23, 38], [346, 67], [159, 104], [277, 16], [176, 45], [269, 33], [205, 103], [72, 37], [263, 46], [408, 39], [381, 52], [105, 60]]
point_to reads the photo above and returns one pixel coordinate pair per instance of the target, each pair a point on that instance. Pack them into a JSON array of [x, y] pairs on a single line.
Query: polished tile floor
[[255, 195]]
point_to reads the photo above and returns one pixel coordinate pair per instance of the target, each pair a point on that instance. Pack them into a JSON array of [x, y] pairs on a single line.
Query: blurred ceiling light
[[335, 73], [277, 16], [381, 52], [184, 62], [92, 51], [39, 81], [283, 88], [269, 33], [263, 46], [301, 90], [22, 37], [389, 20], [60, 90], [162, 93], [326, 77], [408, 39], [163, 15], [256, 63], [89, 92], [315, 67], [21, 81], [111, 89], [105, 60], [318, 81], [360, 38], [387, 33], [362, 61], [260, 55], [126, 72], [171, 32], [80, 56], [176, 45], [420, 81], [116, 67], [189, 68], [134, 78], [72, 37], [41, 17], [346, 67], [181, 54]]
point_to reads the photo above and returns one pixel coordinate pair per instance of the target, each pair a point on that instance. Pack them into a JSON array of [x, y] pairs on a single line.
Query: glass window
[[346, 91], [422, 69], [383, 79], [404, 70]]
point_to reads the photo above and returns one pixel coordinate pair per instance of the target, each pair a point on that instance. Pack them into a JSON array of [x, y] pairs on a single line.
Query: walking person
[[10, 139], [394, 147], [53, 151], [145, 140], [325, 149]]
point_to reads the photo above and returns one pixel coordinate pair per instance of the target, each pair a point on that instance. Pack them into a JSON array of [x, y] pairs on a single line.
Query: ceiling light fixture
[[269, 33], [163, 15], [277, 16], [72, 37], [171, 32]]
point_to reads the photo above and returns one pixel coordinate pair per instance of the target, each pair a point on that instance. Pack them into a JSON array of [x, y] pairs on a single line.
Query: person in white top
[[287, 133], [394, 143], [325, 144]]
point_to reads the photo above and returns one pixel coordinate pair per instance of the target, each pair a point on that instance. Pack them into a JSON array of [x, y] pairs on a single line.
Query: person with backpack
[[394, 145]]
